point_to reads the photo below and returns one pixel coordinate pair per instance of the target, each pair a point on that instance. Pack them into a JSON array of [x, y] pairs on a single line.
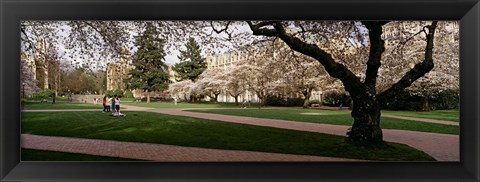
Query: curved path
[[427, 120], [453, 123], [156, 152], [443, 147]]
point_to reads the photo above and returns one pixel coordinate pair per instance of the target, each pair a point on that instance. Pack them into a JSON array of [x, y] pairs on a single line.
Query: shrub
[[276, 101], [448, 99], [294, 102], [117, 92], [43, 94], [128, 94], [279, 101], [403, 101], [334, 99]]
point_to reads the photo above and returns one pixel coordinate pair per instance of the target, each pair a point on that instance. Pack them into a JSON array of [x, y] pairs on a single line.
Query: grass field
[[43, 155], [447, 115], [186, 131], [331, 117], [187, 105], [61, 105]]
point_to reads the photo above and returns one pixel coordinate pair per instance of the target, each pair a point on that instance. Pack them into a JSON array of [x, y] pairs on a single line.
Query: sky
[[171, 58], [69, 55]]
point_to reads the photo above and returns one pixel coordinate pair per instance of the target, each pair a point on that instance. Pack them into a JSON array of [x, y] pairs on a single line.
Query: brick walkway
[[402, 117], [156, 152], [442, 147], [453, 123]]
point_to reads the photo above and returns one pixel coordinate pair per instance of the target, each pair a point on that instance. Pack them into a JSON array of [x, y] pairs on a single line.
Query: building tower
[[41, 63]]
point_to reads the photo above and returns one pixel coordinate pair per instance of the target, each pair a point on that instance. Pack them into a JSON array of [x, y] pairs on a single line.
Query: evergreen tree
[[150, 72], [192, 64]]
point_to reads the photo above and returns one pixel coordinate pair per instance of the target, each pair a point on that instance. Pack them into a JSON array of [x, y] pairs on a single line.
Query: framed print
[[239, 90]]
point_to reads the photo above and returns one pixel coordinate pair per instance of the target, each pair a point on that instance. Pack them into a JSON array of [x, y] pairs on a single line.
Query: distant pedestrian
[[104, 103], [117, 105], [113, 104], [244, 104]]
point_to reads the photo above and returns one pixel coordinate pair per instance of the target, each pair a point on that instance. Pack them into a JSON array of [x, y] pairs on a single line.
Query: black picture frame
[[13, 11]]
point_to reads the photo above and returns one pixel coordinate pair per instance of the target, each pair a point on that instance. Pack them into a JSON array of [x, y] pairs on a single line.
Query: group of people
[[112, 105]]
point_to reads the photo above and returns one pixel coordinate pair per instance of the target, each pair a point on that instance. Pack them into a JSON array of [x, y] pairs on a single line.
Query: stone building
[[43, 68], [25, 57], [118, 72], [41, 63]]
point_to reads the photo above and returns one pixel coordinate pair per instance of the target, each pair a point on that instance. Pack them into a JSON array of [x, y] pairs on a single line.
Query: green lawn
[[331, 117], [61, 99], [43, 155], [186, 131], [447, 115], [61, 105], [187, 105]]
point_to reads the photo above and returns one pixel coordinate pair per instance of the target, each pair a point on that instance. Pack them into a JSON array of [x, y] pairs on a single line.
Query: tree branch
[[222, 30], [377, 46], [105, 35], [350, 81], [258, 30], [419, 70]]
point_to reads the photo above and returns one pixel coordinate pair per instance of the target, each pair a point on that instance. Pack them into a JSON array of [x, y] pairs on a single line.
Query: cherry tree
[[180, 89], [28, 81], [445, 75], [366, 99], [236, 79], [301, 73], [212, 81]]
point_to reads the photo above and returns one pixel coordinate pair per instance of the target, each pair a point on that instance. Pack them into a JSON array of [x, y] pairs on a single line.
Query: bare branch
[[352, 83], [257, 30], [419, 70], [221, 30]]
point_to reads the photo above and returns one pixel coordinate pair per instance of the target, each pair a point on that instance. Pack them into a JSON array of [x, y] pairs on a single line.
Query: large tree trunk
[[264, 100], [148, 97], [366, 124], [236, 100], [425, 103]]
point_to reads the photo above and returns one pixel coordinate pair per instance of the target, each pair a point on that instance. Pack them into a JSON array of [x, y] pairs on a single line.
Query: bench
[[315, 105]]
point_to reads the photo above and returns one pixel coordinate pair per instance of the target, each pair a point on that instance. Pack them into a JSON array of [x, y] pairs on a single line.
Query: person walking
[[117, 105], [104, 103], [113, 105]]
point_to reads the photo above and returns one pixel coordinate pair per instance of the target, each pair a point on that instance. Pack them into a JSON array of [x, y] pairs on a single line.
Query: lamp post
[[23, 95]]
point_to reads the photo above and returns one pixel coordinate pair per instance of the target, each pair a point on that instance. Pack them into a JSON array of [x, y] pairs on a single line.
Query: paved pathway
[[62, 110], [442, 147], [156, 152], [453, 123]]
